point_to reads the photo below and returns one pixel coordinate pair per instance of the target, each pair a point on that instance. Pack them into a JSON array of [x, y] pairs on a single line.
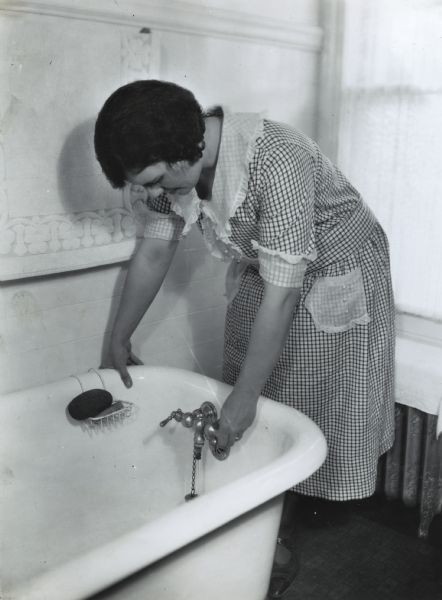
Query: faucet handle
[[210, 433], [209, 413], [175, 414]]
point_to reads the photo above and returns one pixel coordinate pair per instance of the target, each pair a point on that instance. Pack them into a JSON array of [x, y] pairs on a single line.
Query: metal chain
[[193, 493], [198, 419]]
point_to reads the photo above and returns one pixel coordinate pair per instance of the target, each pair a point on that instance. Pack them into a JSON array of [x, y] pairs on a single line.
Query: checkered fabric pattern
[[300, 223], [153, 215], [338, 362], [167, 227], [274, 269]]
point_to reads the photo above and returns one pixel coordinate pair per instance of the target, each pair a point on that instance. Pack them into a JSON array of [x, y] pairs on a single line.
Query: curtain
[[390, 135]]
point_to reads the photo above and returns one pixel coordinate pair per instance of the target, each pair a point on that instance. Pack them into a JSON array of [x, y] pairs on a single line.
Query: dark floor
[[365, 550]]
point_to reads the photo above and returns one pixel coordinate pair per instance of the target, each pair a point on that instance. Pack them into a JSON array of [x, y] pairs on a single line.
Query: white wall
[[279, 81], [295, 11], [54, 326]]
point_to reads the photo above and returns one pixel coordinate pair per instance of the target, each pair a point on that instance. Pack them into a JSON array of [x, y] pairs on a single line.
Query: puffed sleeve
[[154, 217], [286, 237]]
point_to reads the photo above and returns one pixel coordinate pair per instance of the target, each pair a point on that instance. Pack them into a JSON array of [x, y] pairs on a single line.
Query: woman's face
[[177, 178]]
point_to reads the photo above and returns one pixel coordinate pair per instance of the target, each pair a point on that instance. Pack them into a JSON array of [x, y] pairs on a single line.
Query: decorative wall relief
[[57, 211]]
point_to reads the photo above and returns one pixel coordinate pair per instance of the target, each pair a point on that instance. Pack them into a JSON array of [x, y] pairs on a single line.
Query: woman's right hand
[[119, 356]]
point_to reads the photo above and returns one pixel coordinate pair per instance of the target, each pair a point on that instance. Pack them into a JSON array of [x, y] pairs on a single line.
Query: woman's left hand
[[237, 414]]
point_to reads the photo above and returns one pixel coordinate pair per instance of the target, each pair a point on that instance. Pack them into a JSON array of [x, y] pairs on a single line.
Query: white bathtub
[[81, 511]]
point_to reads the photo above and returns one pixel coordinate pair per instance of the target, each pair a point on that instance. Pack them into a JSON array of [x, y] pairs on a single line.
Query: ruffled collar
[[238, 141], [188, 207], [239, 135]]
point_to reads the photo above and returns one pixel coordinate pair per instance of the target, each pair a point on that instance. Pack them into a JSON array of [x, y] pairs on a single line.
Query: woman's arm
[[269, 333], [145, 275]]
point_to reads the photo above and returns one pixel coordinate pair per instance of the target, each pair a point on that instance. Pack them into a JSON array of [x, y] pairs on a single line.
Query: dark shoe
[[283, 574]]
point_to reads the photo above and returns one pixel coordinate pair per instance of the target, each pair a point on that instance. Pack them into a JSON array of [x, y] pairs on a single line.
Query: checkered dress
[[283, 213]]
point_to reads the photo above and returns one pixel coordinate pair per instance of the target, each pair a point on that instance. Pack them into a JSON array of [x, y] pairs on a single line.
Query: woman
[[310, 320]]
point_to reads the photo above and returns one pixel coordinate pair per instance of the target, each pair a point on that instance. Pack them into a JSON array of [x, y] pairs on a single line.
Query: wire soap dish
[[96, 408], [117, 412]]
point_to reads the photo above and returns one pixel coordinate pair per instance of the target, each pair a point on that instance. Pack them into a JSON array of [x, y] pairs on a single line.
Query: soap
[[89, 404]]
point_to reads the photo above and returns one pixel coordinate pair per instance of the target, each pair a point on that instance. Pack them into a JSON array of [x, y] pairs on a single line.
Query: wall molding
[[55, 240], [180, 17], [40, 245], [57, 237]]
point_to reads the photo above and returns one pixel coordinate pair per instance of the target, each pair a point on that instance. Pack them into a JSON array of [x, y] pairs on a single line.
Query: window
[[389, 140]]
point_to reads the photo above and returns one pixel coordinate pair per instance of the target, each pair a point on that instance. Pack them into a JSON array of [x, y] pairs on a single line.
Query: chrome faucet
[[204, 422]]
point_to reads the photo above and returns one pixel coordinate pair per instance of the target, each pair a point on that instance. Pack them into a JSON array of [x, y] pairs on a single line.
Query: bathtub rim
[[129, 553]]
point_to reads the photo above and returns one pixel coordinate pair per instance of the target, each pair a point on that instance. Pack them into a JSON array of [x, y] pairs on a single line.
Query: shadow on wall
[[80, 184]]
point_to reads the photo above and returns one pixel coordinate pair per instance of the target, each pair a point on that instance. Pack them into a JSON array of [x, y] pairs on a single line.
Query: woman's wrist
[[246, 392], [119, 338]]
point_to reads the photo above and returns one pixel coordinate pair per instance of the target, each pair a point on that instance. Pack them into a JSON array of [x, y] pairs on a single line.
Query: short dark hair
[[145, 122]]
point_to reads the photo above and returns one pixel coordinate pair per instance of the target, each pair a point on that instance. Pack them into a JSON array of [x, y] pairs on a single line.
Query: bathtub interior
[[68, 489]]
